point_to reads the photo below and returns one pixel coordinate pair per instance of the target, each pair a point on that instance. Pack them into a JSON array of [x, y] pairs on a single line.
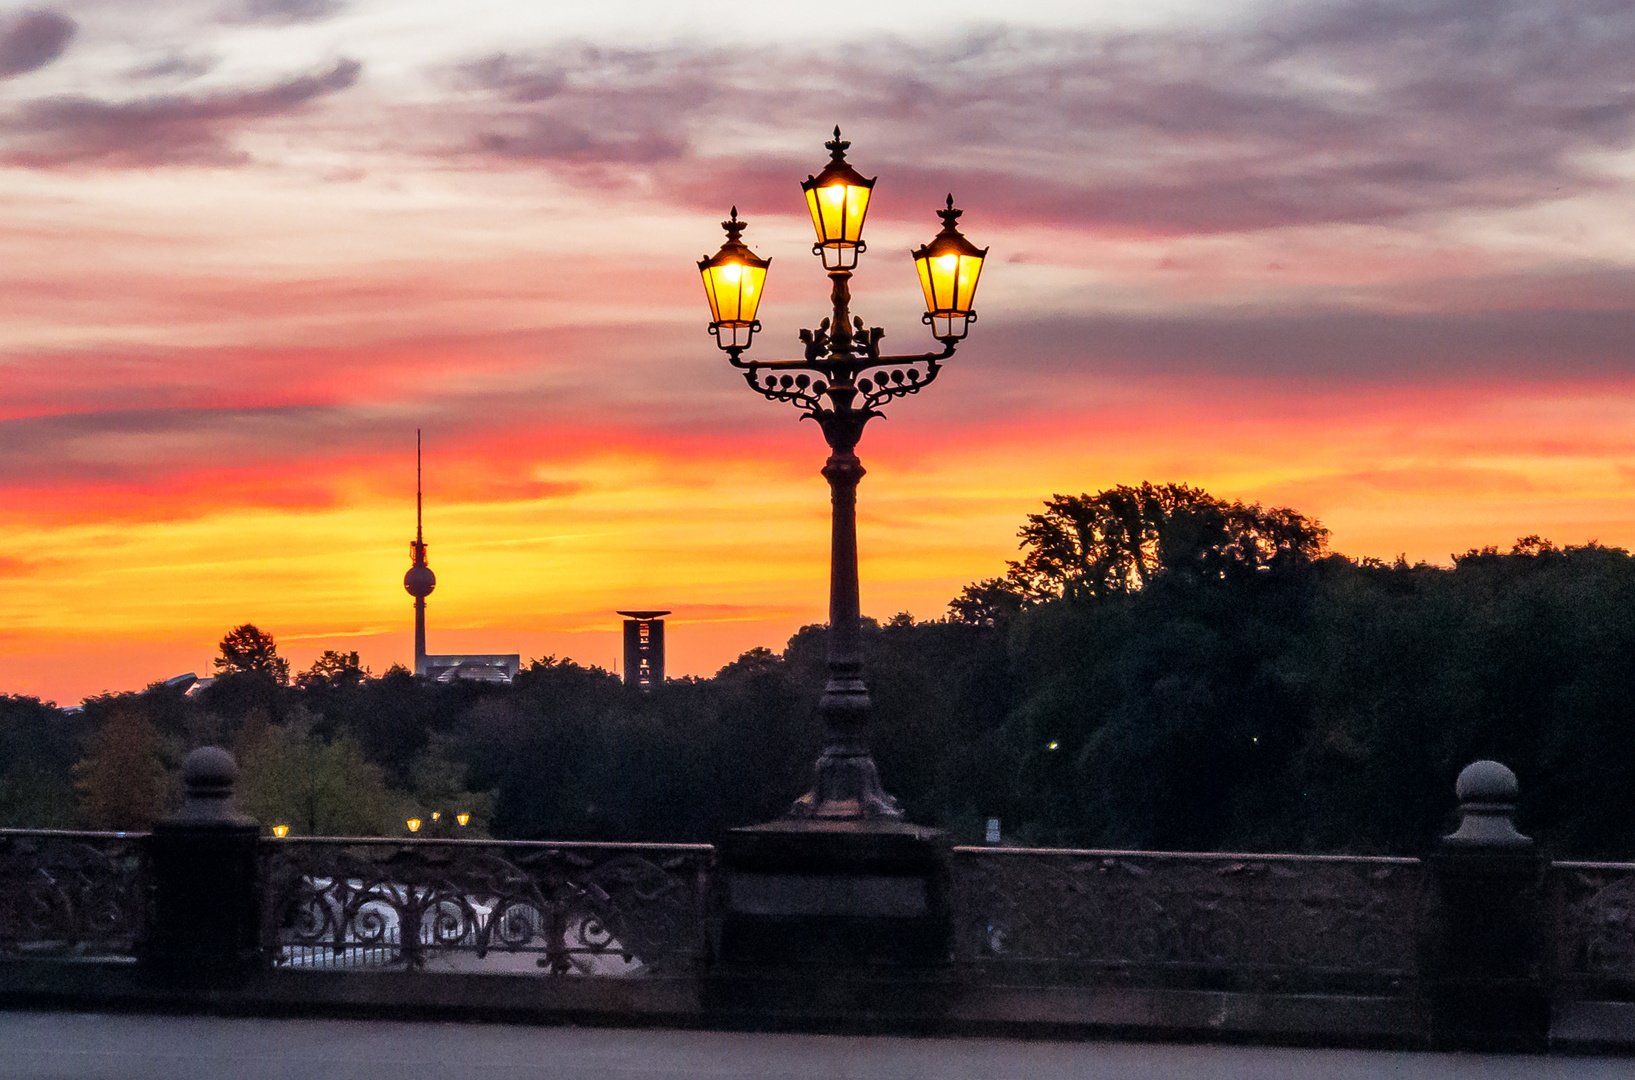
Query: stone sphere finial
[[208, 774], [1486, 781], [1487, 793]]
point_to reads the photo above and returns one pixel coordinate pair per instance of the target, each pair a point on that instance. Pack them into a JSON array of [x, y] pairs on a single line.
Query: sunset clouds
[[1369, 259]]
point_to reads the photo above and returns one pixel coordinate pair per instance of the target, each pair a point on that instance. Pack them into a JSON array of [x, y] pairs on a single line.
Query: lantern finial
[[837, 146]]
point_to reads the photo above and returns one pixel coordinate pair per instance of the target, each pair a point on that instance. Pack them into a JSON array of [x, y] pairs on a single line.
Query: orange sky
[[245, 254]]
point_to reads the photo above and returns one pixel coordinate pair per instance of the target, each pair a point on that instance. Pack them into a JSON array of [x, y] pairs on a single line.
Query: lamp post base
[[836, 894], [846, 787]]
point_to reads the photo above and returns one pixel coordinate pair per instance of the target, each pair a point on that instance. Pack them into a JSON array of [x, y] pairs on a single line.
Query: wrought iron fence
[[70, 894], [1593, 908], [463, 905], [1134, 916]]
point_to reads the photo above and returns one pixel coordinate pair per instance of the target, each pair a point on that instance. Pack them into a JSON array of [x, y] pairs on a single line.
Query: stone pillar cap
[[1487, 793], [1486, 781], [208, 774]]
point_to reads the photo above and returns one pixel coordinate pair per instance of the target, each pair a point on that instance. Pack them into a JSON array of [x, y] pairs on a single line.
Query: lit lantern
[[733, 278], [838, 198], [436, 815], [281, 831], [413, 824], [949, 267], [463, 819]]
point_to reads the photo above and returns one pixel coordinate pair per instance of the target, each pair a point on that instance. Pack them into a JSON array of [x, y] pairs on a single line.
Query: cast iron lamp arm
[[830, 370]]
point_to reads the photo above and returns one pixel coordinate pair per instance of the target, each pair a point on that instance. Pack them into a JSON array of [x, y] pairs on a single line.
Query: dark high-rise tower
[[419, 581], [644, 648]]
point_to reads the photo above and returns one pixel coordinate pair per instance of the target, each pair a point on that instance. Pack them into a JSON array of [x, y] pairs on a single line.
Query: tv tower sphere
[[419, 581]]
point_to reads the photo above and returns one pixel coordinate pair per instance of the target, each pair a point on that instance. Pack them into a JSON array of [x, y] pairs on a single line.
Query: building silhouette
[[419, 583], [643, 648]]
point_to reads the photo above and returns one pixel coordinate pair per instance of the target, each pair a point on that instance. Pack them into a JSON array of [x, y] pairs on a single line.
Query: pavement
[[92, 1046]]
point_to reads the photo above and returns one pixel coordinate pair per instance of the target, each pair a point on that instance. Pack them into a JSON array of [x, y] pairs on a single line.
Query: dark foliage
[[249, 650], [1161, 669]]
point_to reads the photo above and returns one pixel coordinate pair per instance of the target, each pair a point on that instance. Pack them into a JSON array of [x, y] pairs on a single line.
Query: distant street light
[[280, 831], [842, 398], [413, 824]]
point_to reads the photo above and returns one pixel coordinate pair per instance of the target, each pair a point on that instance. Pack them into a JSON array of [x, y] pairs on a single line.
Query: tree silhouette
[[247, 650], [1118, 540], [332, 670]]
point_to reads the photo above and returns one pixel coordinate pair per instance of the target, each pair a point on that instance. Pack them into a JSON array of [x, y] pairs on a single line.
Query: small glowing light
[[463, 819], [1052, 746], [436, 815], [1254, 738], [413, 824], [834, 193], [948, 262], [732, 272], [281, 831]]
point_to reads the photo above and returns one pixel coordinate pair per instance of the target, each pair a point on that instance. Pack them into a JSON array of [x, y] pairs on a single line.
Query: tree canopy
[[247, 650], [1159, 669], [1116, 541]]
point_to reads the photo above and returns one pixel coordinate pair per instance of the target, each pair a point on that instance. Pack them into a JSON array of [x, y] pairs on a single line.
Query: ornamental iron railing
[[78, 895], [1154, 918], [1592, 906], [1046, 916], [462, 905]]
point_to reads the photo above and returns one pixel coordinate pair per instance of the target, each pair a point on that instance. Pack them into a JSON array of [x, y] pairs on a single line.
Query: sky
[[1374, 261]]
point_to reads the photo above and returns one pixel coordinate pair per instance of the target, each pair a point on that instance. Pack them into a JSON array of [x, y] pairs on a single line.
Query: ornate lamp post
[[842, 382]]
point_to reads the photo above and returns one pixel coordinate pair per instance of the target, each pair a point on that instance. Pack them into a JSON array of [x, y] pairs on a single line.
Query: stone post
[[206, 917], [1484, 960]]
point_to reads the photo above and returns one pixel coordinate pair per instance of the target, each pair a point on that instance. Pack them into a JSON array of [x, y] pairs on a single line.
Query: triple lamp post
[[841, 382]]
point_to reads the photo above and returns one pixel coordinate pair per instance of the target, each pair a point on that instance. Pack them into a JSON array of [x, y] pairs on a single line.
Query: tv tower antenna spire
[[419, 581]]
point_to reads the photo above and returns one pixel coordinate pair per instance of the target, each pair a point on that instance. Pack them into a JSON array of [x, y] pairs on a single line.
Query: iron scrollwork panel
[[1134, 911], [588, 909], [72, 893], [1594, 909]]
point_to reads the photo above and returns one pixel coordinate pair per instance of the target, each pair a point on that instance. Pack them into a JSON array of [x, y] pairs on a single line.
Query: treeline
[[1160, 669]]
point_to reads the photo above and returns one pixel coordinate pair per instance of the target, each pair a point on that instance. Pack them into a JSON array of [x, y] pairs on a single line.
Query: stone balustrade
[[1482, 944]]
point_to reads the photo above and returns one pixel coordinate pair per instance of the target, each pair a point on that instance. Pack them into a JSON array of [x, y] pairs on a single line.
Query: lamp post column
[[846, 783]]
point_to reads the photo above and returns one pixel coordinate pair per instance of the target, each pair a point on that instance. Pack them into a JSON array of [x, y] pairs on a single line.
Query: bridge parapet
[[1481, 944], [1312, 923]]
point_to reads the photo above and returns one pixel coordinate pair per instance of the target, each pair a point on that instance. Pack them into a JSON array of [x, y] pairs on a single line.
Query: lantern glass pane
[[734, 291], [749, 292], [923, 265], [817, 213], [857, 205], [970, 268], [837, 212], [709, 293]]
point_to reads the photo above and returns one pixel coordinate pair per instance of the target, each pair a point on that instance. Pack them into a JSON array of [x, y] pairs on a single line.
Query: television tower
[[419, 581]]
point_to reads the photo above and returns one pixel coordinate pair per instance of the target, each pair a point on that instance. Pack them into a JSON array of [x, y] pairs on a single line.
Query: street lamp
[[841, 382]]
